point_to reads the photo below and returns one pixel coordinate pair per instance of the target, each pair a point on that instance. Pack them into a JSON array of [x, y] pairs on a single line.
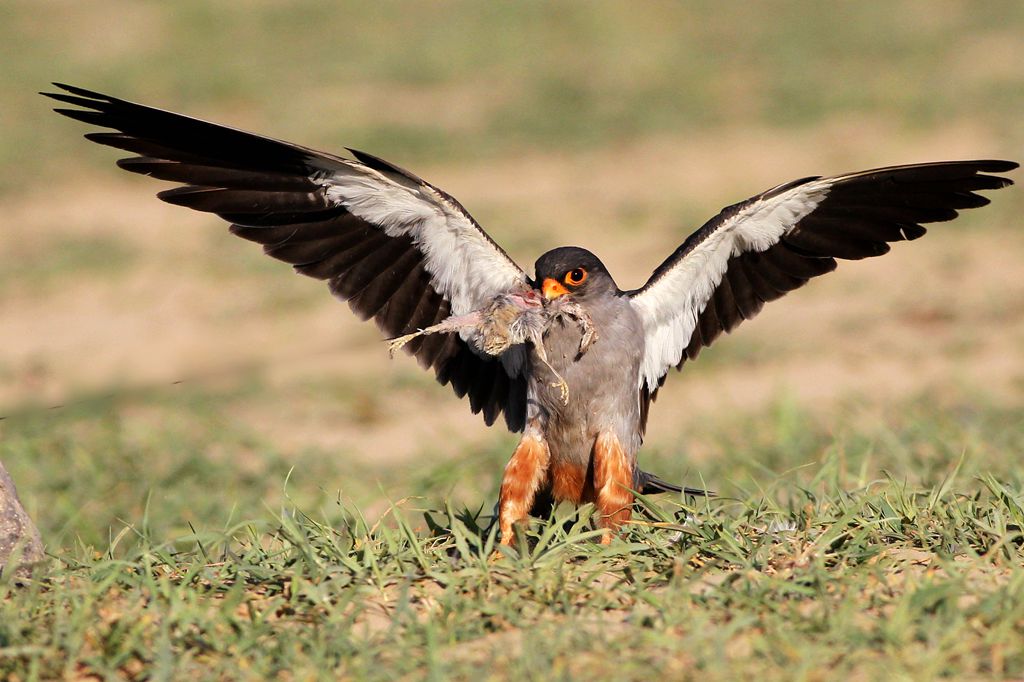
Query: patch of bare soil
[[943, 314]]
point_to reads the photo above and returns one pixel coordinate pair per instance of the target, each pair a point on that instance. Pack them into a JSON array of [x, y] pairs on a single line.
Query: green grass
[[889, 550], [468, 79], [43, 268], [850, 541]]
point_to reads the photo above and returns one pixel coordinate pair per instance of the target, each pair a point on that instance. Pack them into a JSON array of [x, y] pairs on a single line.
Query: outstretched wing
[[759, 249], [393, 246]]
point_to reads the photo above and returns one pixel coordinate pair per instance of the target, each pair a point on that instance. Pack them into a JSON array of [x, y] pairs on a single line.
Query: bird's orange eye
[[576, 277]]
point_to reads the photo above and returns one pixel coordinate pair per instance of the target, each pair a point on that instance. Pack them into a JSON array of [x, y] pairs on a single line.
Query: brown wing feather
[[268, 190], [858, 218]]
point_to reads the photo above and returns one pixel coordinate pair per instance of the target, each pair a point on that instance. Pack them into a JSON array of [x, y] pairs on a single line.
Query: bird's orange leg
[[613, 483], [523, 476], [569, 481]]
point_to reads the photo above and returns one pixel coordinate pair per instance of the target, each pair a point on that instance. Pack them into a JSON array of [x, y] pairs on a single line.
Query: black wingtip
[[91, 102], [1000, 165], [81, 92], [52, 95], [983, 166]]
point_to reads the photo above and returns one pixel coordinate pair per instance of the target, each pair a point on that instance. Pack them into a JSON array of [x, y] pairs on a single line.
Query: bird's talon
[[563, 390]]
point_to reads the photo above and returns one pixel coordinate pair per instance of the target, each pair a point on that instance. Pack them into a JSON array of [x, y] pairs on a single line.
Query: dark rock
[[16, 529]]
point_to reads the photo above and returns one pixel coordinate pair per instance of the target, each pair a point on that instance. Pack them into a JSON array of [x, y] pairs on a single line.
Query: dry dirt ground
[[157, 294]]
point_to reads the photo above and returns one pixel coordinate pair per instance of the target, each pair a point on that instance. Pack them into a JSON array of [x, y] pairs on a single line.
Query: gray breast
[[603, 393]]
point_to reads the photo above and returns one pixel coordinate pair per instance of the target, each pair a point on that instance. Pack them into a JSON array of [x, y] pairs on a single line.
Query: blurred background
[[193, 374]]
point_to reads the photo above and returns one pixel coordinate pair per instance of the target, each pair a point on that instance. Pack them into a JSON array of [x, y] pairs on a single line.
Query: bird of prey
[[405, 253]]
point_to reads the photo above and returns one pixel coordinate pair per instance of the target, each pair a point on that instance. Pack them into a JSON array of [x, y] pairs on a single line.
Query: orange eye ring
[[575, 277]]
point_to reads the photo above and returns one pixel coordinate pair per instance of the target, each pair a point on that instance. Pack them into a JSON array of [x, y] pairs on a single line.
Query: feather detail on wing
[[393, 246], [760, 249]]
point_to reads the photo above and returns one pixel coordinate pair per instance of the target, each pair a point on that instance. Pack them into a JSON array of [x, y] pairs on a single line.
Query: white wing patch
[[464, 265], [669, 307]]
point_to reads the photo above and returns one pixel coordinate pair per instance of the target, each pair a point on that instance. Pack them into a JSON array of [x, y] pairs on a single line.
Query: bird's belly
[[602, 399]]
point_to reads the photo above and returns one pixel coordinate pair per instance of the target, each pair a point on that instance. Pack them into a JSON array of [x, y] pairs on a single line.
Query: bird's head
[[572, 270]]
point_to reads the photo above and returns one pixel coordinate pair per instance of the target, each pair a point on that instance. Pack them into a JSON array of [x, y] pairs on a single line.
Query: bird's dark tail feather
[[649, 484]]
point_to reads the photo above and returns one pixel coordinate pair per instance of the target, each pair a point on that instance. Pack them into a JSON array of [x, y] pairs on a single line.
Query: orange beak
[[552, 289]]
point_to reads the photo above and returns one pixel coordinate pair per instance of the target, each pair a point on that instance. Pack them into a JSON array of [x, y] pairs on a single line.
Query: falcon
[[405, 253]]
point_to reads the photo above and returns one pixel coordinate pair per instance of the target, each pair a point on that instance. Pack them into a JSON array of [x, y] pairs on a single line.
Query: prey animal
[[512, 319], [577, 385]]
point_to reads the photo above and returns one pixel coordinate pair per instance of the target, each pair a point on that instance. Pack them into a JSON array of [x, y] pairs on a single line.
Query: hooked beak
[[552, 289]]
